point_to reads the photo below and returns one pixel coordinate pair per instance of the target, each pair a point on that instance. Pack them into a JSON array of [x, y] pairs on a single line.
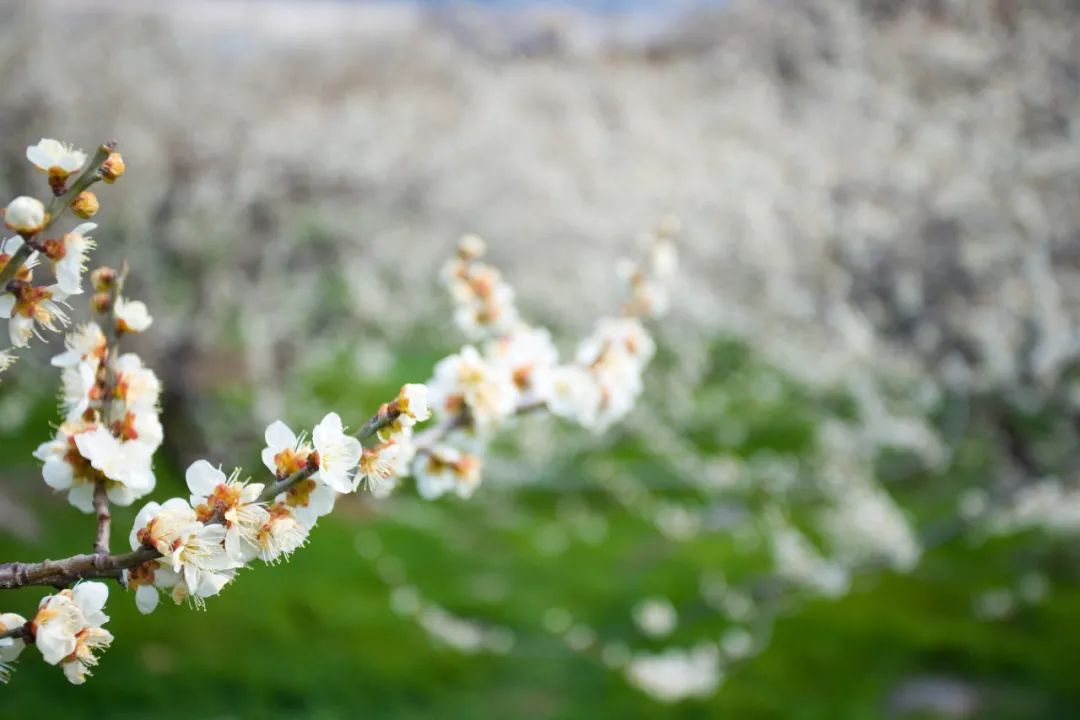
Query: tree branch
[[107, 386], [104, 519], [21, 631], [426, 440], [63, 573]]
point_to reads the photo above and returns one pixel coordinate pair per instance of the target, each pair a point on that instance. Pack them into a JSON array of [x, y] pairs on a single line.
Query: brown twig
[[20, 631], [108, 385], [425, 441], [63, 573], [104, 518]]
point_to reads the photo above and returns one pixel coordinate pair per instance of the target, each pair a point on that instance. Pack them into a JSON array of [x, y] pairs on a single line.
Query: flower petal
[[279, 436], [91, 596], [146, 599], [202, 478]]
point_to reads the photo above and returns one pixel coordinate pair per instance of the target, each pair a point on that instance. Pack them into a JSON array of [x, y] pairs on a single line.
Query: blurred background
[[850, 490]]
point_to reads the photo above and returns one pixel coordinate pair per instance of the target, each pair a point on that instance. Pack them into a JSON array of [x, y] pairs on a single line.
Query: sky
[[600, 6]]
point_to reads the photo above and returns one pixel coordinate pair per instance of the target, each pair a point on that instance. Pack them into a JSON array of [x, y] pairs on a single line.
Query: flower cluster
[[677, 673], [67, 629], [109, 401], [477, 391], [483, 301], [25, 305], [111, 427], [333, 459], [194, 563], [202, 541]]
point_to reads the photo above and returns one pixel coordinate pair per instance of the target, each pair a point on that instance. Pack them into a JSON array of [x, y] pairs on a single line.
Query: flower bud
[[131, 316], [25, 215], [103, 279], [85, 205], [101, 302], [53, 248], [112, 168], [670, 226], [471, 247]]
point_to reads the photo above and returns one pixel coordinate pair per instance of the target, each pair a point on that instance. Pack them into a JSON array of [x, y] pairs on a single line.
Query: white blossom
[[471, 247], [528, 355], [676, 674], [190, 548], [81, 453], [338, 453], [150, 577], [309, 500], [866, 523], [56, 158], [10, 647], [623, 335], [85, 343], [125, 464], [465, 382], [616, 354], [1046, 504], [70, 256], [77, 385], [137, 386], [30, 307], [646, 296], [67, 628], [573, 393], [484, 302], [235, 501], [378, 466], [65, 469], [408, 408], [412, 403], [281, 535], [92, 640], [663, 259], [131, 315], [402, 457], [446, 469], [284, 454], [143, 427]]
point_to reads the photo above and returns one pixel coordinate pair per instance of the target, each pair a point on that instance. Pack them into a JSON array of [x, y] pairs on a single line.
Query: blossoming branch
[[190, 548]]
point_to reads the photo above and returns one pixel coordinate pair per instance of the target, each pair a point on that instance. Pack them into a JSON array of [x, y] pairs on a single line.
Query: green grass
[[316, 637]]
